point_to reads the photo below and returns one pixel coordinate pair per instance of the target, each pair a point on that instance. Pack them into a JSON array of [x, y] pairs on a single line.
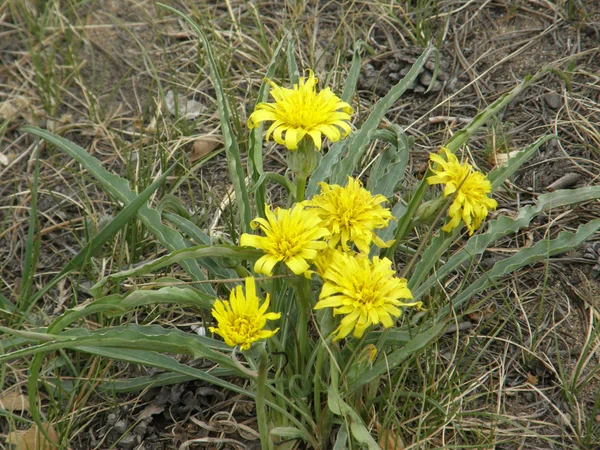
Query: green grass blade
[[384, 365], [6, 305], [282, 180], [497, 176], [153, 359], [232, 150], [199, 237], [357, 426], [498, 228], [119, 189], [32, 244], [292, 65], [179, 256]]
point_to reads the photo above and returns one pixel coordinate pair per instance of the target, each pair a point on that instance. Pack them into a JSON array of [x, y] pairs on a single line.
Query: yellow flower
[[240, 321], [351, 213], [471, 203], [366, 292], [293, 236], [301, 111]]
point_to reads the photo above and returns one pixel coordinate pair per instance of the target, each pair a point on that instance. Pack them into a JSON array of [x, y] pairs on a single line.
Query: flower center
[[287, 247], [244, 327]]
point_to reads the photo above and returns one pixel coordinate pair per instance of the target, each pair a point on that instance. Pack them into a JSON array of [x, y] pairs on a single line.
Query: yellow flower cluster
[[320, 231], [301, 112], [471, 189]]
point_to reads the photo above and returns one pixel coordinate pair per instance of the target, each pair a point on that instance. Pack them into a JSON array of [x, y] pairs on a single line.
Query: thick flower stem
[[302, 162], [261, 412], [300, 188]]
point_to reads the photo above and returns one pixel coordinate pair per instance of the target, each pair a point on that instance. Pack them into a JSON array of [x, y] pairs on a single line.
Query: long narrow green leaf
[[255, 149], [292, 65], [499, 175], [282, 180], [388, 170], [151, 359], [139, 345], [357, 426], [353, 74], [539, 252], [103, 236], [383, 365], [359, 141], [179, 256], [500, 227], [119, 189], [232, 150], [150, 338], [190, 229]]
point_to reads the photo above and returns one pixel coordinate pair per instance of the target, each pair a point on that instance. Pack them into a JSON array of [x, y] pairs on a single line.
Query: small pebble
[[111, 419], [553, 100], [120, 426]]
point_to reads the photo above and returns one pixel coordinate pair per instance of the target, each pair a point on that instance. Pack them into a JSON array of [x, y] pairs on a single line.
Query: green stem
[[261, 412], [300, 188]]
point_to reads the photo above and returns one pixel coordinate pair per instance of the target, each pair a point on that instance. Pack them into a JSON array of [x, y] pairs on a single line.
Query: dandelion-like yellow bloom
[[351, 213], [241, 320], [471, 187], [302, 111], [366, 292], [294, 236]]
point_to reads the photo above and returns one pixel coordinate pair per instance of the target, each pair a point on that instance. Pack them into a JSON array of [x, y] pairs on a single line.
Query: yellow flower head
[[351, 213], [471, 203], [301, 111], [293, 236], [366, 292], [240, 321]]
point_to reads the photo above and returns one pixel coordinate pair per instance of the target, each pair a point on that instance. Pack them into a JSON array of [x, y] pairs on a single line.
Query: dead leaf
[[501, 159], [388, 439], [532, 379], [33, 438], [14, 401], [150, 410], [203, 146]]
